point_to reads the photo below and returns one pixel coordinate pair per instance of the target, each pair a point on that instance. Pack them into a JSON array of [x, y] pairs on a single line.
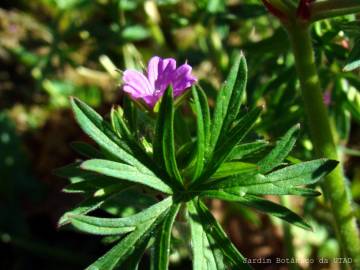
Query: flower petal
[[160, 74], [182, 79], [153, 69], [136, 84], [151, 100], [166, 69]]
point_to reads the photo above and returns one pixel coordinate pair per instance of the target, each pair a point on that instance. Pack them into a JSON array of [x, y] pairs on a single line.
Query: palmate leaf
[[272, 189], [263, 205], [304, 173], [91, 229], [213, 228], [162, 243], [212, 164], [203, 129], [228, 101], [228, 182], [121, 251], [122, 129], [126, 172], [141, 217], [92, 202], [281, 182], [86, 206], [235, 136], [164, 144], [280, 151], [128, 203], [118, 123], [132, 262], [234, 168], [109, 226], [84, 181], [206, 255], [100, 131], [242, 150], [81, 187]]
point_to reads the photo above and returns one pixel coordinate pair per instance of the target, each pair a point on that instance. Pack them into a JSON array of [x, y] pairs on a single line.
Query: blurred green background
[[53, 49]]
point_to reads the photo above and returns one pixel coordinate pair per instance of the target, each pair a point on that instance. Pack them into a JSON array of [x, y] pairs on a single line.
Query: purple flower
[[160, 74]]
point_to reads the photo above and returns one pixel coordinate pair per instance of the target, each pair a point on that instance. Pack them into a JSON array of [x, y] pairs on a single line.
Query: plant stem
[[331, 8], [334, 185]]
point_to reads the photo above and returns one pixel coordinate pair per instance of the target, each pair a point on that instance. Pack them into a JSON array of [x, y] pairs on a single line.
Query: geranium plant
[[170, 179]]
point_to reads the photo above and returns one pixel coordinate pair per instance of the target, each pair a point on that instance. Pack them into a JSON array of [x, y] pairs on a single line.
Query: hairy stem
[[331, 8], [334, 185]]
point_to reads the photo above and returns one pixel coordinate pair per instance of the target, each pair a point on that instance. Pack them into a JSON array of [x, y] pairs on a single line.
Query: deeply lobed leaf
[[211, 165], [164, 144], [126, 172]]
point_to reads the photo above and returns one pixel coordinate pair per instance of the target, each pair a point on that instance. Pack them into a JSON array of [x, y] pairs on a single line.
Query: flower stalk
[[334, 185], [332, 8]]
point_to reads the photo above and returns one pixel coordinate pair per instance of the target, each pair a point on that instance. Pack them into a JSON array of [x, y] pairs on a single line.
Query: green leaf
[[205, 255], [233, 181], [132, 201], [263, 205], [181, 128], [162, 245], [150, 213], [213, 228], [100, 131], [122, 129], [273, 189], [130, 112], [80, 187], [280, 151], [118, 122], [258, 184], [185, 154], [229, 100], [354, 58], [121, 251], [202, 119], [264, 189], [231, 168], [126, 172], [242, 150], [280, 182], [304, 173], [206, 117], [164, 144], [99, 230], [89, 204], [237, 92], [235, 136], [132, 262]]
